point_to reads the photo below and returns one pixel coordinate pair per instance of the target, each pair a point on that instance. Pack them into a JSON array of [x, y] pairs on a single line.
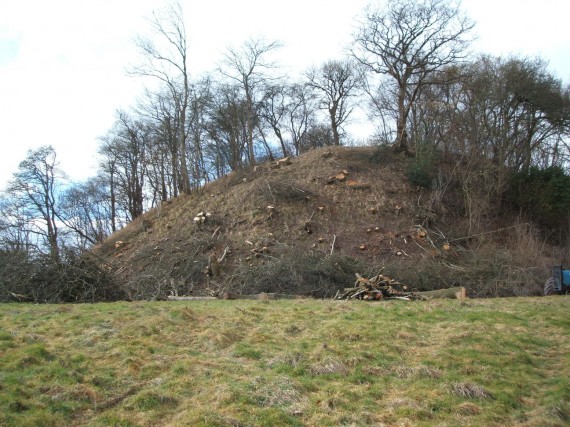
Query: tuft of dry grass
[[421, 371], [470, 390], [329, 366], [468, 409]]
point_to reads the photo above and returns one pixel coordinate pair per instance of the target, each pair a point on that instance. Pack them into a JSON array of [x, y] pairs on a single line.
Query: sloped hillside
[[305, 227]]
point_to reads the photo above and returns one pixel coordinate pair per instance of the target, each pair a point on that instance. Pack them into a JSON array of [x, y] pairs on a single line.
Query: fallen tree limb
[[332, 246], [21, 297], [450, 293], [261, 296]]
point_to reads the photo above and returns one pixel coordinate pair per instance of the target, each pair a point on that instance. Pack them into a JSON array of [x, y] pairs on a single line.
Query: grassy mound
[[307, 227]]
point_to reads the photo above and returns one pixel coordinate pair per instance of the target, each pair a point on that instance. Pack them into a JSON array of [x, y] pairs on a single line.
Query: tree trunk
[[184, 175], [52, 238], [113, 201], [451, 293], [250, 128], [281, 142], [402, 135], [266, 145], [199, 162], [334, 126], [175, 173]]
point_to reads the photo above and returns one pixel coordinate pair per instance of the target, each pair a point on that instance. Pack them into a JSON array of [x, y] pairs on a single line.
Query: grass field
[[301, 362]]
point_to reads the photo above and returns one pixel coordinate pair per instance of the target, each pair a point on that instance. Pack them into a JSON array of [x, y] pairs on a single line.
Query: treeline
[[505, 122]]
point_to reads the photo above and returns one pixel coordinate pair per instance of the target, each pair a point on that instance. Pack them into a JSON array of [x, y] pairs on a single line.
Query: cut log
[[176, 298], [214, 267], [283, 162], [21, 297], [357, 185], [450, 293], [262, 296], [339, 177]]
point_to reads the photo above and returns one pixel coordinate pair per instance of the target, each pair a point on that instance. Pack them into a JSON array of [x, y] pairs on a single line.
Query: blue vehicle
[[559, 283]]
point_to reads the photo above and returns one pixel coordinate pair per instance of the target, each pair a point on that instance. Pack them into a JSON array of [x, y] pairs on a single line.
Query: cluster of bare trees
[[408, 65], [497, 118], [45, 221], [189, 131], [43, 213], [408, 59]]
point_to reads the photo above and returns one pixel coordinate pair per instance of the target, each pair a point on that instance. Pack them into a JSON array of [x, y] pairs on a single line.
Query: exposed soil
[[305, 227]]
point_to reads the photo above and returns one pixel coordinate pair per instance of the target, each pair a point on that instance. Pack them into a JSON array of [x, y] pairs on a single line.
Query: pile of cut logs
[[376, 288], [382, 287]]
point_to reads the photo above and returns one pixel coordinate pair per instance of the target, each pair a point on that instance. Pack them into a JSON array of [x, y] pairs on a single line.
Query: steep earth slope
[[303, 226]]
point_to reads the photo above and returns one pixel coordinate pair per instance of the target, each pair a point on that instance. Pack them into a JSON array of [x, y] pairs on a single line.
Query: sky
[[63, 62]]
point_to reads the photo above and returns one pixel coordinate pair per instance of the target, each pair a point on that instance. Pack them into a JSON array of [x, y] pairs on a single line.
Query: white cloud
[[524, 27]]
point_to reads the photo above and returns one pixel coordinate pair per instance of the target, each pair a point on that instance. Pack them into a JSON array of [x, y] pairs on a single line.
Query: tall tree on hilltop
[[300, 115], [335, 82], [273, 111], [167, 61], [243, 66], [158, 111], [227, 129], [408, 41], [124, 150]]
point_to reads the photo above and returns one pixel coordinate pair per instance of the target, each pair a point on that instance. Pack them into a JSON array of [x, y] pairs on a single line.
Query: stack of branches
[[377, 288]]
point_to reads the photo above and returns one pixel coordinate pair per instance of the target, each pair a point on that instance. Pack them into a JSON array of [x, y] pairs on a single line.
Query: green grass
[[302, 362]]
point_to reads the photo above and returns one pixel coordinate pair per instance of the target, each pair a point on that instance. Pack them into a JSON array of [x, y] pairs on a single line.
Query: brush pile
[[377, 288]]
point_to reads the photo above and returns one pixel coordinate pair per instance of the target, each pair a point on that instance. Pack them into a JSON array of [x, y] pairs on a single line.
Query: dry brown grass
[[470, 390], [313, 218]]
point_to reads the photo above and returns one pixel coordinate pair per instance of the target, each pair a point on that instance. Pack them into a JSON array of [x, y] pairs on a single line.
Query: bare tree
[[273, 111], [514, 113], [335, 82], [243, 66], [408, 41], [125, 160], [34, 189], [318, 135], [15, 234], [227, 129], [168, 63], [201, 97], [158, 111], [108, 172], [300, 115], [497, 118], [86, 211]]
